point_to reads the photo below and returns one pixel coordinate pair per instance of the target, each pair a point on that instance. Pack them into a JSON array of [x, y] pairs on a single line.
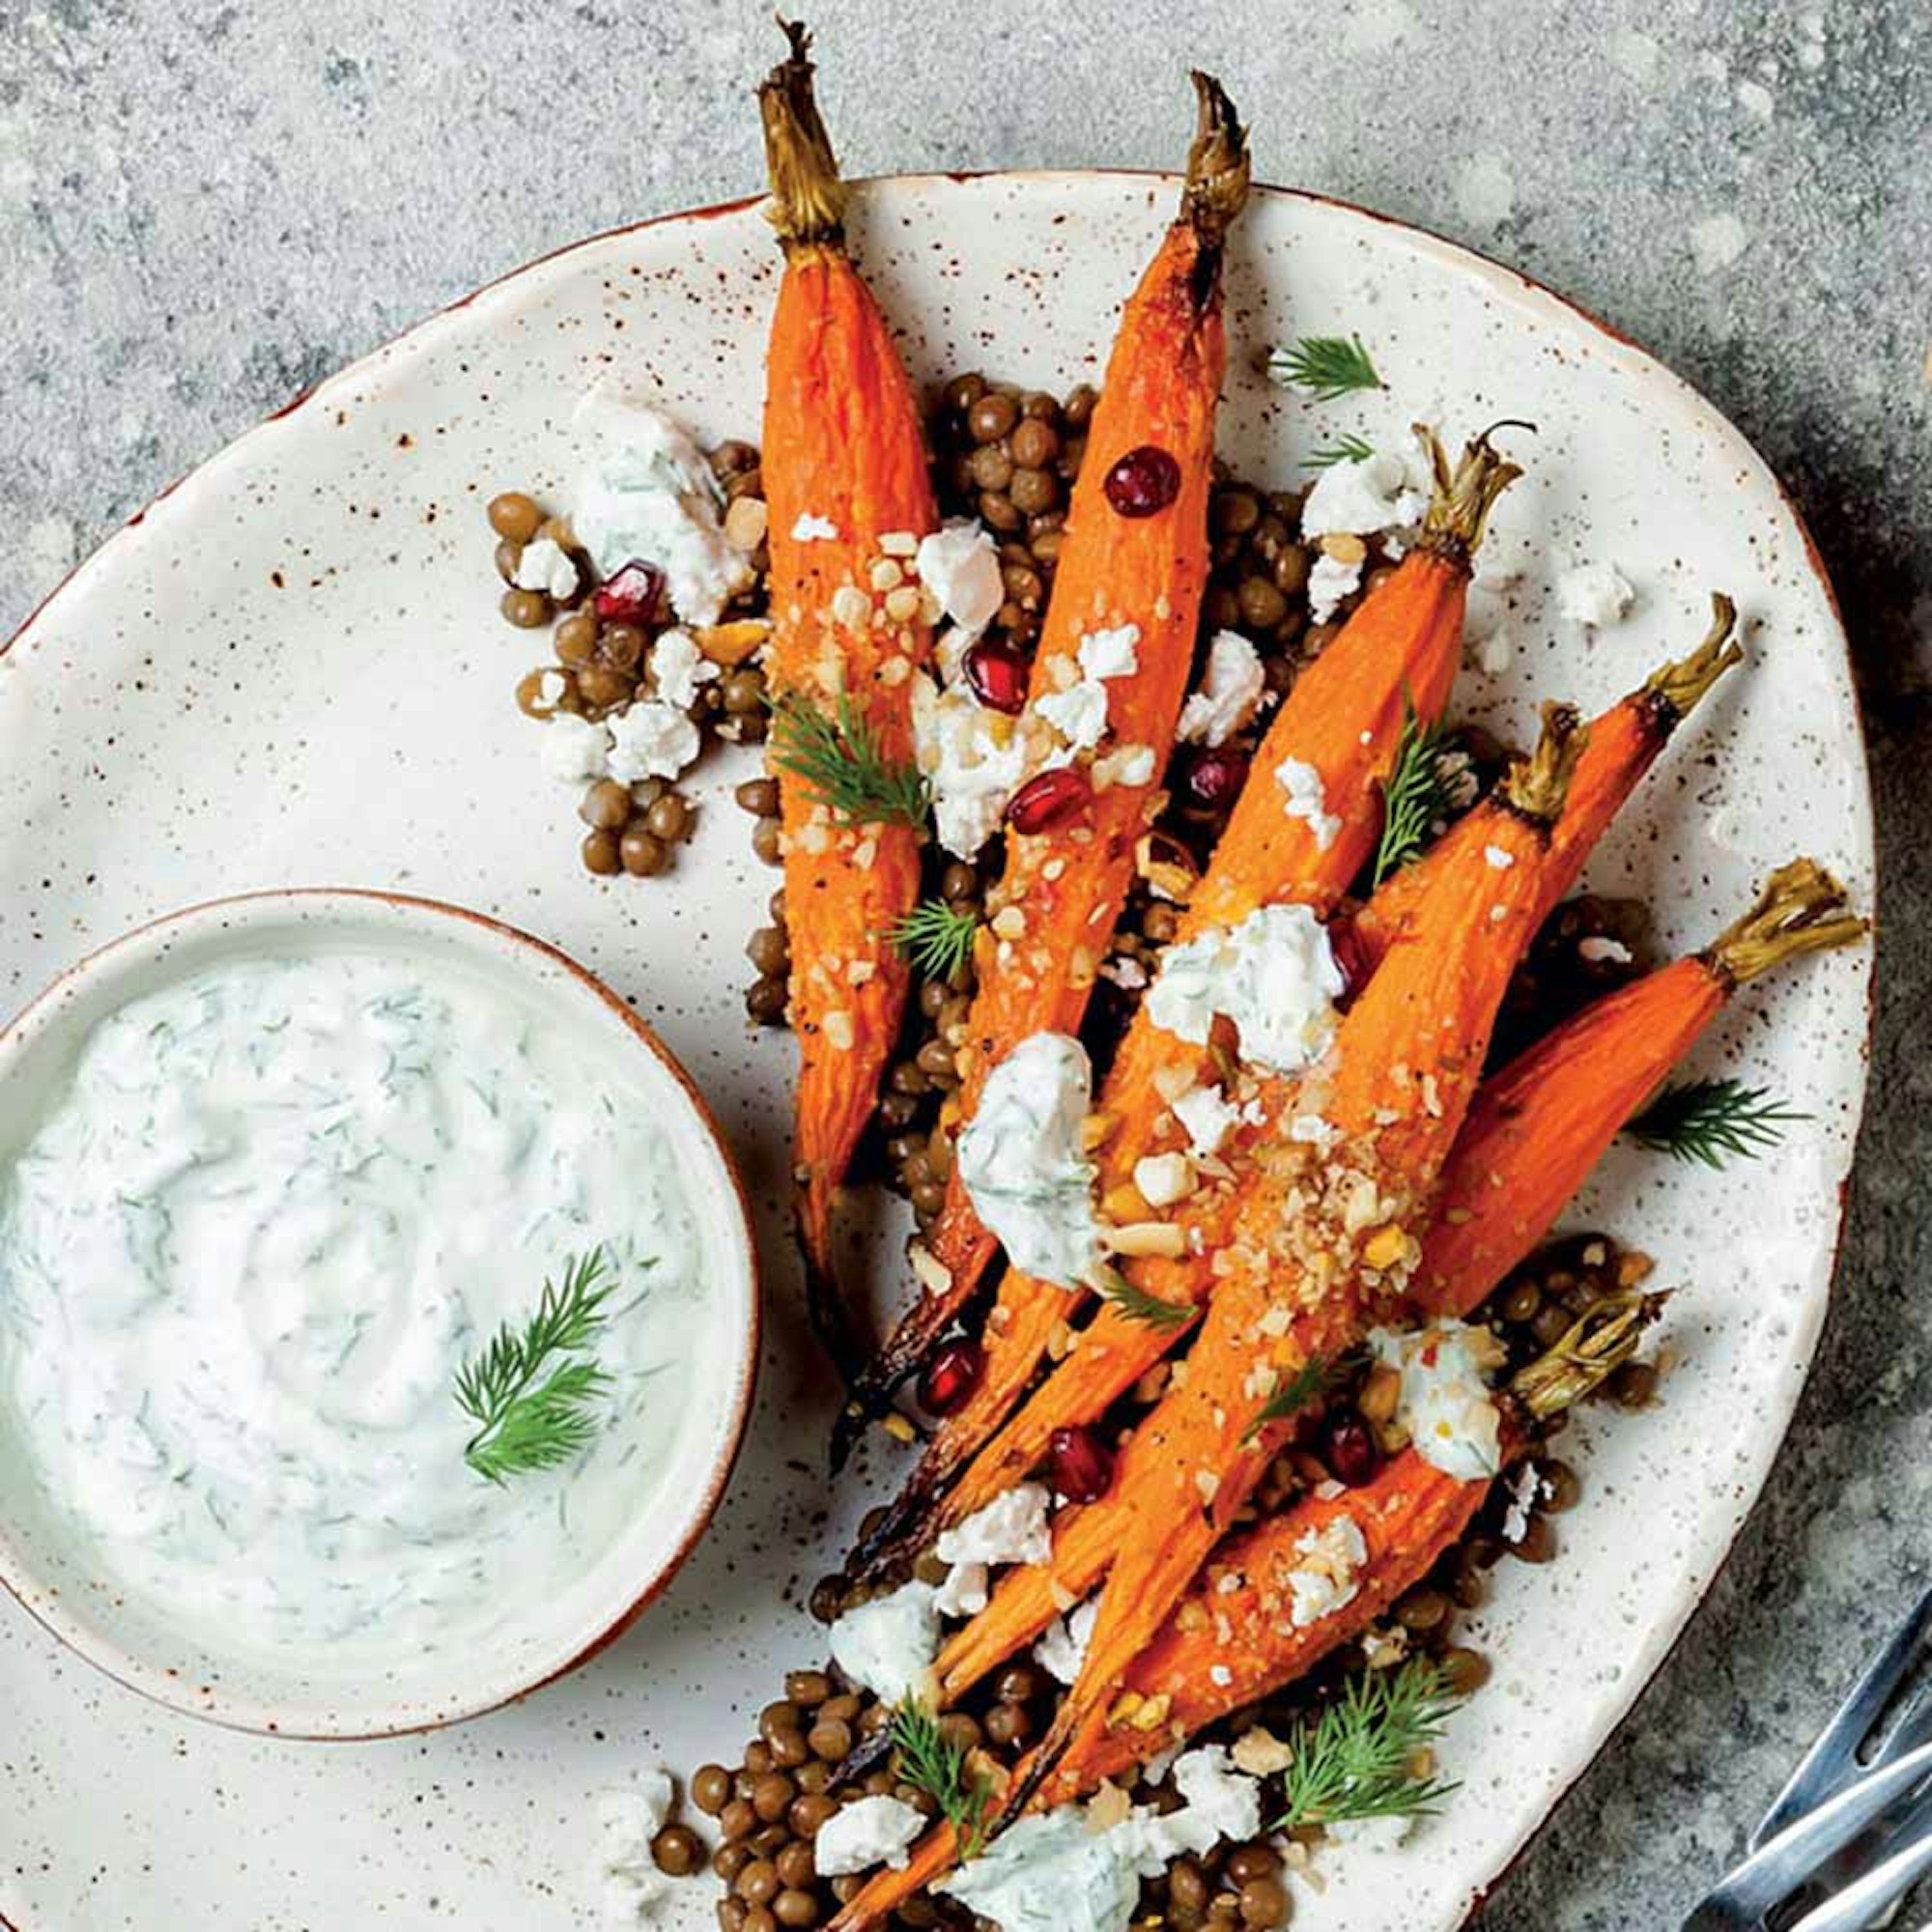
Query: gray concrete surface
[[204, 206]]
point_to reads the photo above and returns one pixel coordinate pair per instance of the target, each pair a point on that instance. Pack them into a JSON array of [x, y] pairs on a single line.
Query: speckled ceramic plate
[[290, 670]]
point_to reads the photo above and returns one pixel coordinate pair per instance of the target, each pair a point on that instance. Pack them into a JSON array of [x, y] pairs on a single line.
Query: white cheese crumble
[[1062, 1648], [972, 759], [1362, 498], [1326, 1581], [1445, 1403], [1330, 582], [1163, 1178], [649, 494], [1522, 1500], [963, 1591], [1233, 684], [651, 740], [1079, 713], [1206, 1115], [1498, 859], [544, 565], [814, 529], [1600, 949], [1011, 1528], [961, 566], [889, 1644], [574, 749], [679, 668], [1594, 595], [1307, 799], [1125, 765], [628, 1818], [877, 1830], [1111, 653], [1273, 974], [550, 687], [1024, 1168]]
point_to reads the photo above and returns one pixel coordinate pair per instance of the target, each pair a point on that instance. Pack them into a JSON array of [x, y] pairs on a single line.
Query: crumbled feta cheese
[[544, 565], [1206, 1115], [1128, 974], [889, 1644], [550, 687], [814, 529], [650, 495], [1324, 1580], [868, 1832], [1078, 714], [1594, 595], [1522, 1500], [651, 740], [1023, 1165], [1600, 949], [1307, 799], [1221, 1802], [1498, 859], [1163, 1178], [963, 1591], [1011, 1528], [1273, 974], [1126, 765], [1062, 1648], [961, 566], [1049, 1874], [628, 1818], [1112, 653], [972, 759], [1362, 498], [1330, 582], [679, 668], [1312, 1130], [574, 749], [1233, 684], [1445, 1403]]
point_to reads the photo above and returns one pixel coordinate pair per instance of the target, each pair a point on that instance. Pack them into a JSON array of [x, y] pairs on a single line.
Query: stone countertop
[[206, 207]]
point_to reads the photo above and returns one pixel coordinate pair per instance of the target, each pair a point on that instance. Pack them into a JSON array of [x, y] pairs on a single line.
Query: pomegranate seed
[[1144, 481], [998, 675], [1350, 1449], [1346, 944], [632, 594], [1215, 778], [1082, 1465], [1051, 799], [951, 1378]]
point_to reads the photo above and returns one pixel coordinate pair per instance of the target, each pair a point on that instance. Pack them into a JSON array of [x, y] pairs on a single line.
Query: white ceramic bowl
[[47, 1562]]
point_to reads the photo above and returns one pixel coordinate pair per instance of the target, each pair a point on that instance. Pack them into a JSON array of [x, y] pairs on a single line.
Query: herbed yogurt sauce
[[244, 1255]]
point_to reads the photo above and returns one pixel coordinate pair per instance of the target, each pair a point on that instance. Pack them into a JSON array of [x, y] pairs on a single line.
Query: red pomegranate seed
[[1346, 944], [998, 675], [632, 594], [1144, 481], [1350, 1449], [951, 1378], [1082, 1465], [1215, 778], [1051, 799]]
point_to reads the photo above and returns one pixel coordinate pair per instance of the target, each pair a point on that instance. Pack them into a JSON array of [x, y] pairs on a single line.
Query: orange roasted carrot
[[1135, 557], [1321, 1240], [849, 493], [1344, 718], [1114, 1350], [1536, 1130]]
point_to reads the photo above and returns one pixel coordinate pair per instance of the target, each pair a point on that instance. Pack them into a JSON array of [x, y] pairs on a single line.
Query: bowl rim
[[169, 1688]]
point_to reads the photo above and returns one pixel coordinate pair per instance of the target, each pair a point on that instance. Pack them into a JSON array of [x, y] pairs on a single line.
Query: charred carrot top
[[1534, 1132], [849, 496], [1131, 571], [1234, 1639], [1322, 1240], [1342, 720]]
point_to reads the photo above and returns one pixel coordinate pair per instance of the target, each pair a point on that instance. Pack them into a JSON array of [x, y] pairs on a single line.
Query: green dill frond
[[1326, 368], [1421, 793], [1344, 449], [531, 1415], [1138, 1303], [1712, 1120], [1294, 1393], [930, 1763], [841, 762], [1358, 1757], [936, 938]]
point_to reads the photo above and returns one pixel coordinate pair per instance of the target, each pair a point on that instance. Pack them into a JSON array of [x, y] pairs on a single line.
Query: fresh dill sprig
[[841, 763], [531, 1415], [1138, 1303], [1326, 366], [1421, 792], [1294, 1393], [1344, 449], [936, 938], [932, 1763], [1362, 1756], [1710, 1120]]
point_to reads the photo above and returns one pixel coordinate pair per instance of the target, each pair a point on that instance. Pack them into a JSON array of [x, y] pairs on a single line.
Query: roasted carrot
[[1344, 720], [1135, 556], [1536, 1130], [848, 492], [1320, 1240], [1233, 1642], [1114, 1350]]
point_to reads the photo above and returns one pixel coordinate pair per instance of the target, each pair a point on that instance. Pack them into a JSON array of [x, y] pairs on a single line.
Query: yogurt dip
[[272, 1210]]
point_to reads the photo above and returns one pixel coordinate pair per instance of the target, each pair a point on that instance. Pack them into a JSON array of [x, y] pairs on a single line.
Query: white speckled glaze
[[55, 1572], [292, 670]]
